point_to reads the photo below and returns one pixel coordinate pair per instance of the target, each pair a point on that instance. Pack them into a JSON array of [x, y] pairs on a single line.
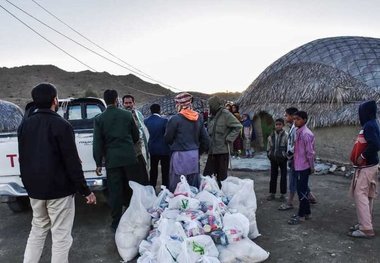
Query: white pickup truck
[[80, 113]]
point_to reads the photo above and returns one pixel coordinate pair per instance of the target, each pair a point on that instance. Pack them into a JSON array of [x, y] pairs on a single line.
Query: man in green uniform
[[115, 134]]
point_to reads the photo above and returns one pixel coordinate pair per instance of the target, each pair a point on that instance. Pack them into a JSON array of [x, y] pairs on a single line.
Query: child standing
[[304, 155], [365, 159], [290, 153], [247, 133], [276, 151]]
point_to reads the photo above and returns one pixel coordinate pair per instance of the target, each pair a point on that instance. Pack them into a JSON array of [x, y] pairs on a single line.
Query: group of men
[[51, 170], [118, 142], [176, 143]]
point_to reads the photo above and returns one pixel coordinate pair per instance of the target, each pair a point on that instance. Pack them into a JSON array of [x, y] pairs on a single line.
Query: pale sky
[[205, 46]]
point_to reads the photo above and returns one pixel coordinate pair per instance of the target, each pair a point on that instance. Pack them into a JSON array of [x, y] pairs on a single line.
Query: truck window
[[92, 111], [74, 112]]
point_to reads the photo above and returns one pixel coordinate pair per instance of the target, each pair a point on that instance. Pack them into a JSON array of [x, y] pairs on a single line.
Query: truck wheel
[[21, 204]]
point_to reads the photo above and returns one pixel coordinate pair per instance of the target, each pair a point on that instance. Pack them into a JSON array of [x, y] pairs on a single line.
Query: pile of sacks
[[190, 225]]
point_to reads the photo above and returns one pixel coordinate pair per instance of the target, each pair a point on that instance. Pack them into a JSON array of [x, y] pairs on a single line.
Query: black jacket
[[183, 134], [49, 161], [367, 117]]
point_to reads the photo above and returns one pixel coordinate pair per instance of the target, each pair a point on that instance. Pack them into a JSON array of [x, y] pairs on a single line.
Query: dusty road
[[322, 239]]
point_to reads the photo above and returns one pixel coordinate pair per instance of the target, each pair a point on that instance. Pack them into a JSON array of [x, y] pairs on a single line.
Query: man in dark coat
[[187, 137], [115, 133], [51, 172], [159, 151]]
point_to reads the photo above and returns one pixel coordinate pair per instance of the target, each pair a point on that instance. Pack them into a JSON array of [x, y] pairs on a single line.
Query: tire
[[21, 204]]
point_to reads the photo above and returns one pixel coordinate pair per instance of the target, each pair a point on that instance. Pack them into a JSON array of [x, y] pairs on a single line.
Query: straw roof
[[329, 84]]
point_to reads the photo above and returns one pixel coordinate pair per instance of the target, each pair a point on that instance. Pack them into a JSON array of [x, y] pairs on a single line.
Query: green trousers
[[119, 192]]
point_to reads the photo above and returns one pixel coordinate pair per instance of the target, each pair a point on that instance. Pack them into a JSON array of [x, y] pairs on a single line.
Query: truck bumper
[[14, 190]]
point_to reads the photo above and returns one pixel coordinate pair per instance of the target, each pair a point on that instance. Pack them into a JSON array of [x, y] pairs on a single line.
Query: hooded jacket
[[223, 127], [371, 132]]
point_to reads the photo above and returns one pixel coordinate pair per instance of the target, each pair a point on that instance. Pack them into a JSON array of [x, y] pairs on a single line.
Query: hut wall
[[258, 144], [335, 143]]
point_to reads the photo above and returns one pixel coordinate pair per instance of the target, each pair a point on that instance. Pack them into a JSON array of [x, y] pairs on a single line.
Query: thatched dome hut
[[10, 116], [328, 78]]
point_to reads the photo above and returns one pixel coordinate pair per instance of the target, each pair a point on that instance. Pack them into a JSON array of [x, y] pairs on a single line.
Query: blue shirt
[[156, 126]]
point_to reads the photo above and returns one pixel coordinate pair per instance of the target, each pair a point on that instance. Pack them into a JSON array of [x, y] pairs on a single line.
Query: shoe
[[271, 197], [296, 220], [285, 206], [307, 217], [354, 227], [360, 234], [282, 198]]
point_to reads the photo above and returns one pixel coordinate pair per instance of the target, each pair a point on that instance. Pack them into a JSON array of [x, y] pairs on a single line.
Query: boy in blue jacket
[[365, 159]]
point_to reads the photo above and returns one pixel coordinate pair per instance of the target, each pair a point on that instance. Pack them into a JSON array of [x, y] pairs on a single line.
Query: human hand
[[91, 199], [360, 161], [98, 171], [312, 170]]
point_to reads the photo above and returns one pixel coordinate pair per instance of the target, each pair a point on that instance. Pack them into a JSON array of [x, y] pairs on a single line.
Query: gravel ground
[[322, 239]]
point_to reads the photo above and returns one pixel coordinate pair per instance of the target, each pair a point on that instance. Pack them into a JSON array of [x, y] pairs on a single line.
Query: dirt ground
[[322, 239]]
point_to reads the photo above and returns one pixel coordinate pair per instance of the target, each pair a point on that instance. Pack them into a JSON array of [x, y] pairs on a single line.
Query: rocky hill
[[16, 84]]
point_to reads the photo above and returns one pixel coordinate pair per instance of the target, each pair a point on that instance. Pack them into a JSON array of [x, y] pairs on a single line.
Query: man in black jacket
[[51, 172], [187, 138]]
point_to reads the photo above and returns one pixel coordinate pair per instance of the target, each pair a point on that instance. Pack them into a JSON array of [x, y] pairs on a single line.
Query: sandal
[[295, 220], [360, 234], [285, 206], [354, 227], [307, 217]]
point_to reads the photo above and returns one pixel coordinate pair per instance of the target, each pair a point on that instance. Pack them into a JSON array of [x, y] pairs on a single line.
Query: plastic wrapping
[[235, 226], [183, 188], [244, 251], [135, 223], [187, 228], [242, 199], [182, 202], [210, 185]]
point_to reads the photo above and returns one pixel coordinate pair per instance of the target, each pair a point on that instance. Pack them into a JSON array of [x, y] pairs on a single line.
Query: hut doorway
[[263, 124]]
